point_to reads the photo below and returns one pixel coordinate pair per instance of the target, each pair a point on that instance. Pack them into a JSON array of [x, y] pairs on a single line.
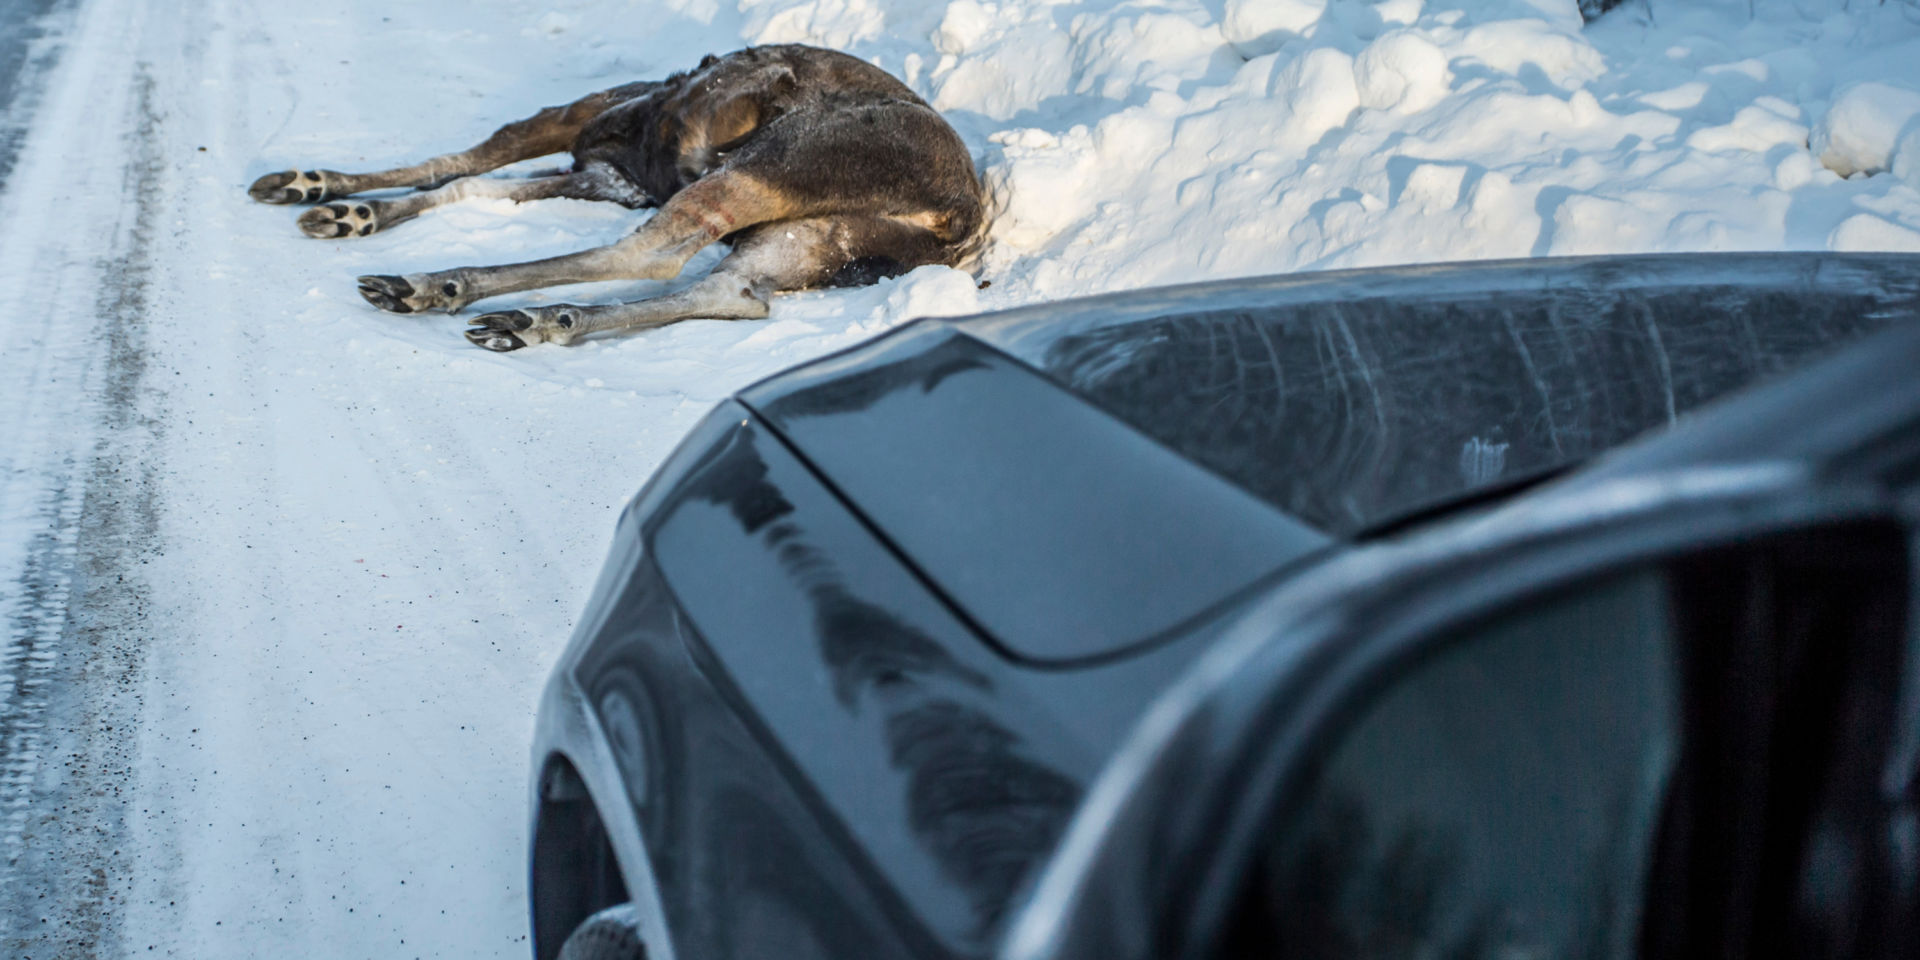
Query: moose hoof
[[416, 292], [499, 332], [388, 293], [513, 329], [340, 220], [292, 186]]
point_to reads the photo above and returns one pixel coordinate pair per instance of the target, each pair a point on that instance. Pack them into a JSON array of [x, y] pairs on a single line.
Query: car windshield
[[1347, 399]]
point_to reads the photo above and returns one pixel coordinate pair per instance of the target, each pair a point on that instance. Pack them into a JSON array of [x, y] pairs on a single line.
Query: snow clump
[[1401, 71], [1868, 129], [1258, 27]]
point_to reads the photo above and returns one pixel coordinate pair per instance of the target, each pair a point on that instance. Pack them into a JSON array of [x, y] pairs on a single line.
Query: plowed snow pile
[[1144, 143]]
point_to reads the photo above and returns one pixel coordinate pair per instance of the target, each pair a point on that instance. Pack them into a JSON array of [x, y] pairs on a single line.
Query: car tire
[[611, 934]]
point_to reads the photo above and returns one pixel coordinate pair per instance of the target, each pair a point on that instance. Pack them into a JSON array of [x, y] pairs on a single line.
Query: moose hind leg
[[714, 206], [552, 130], [775, 257]]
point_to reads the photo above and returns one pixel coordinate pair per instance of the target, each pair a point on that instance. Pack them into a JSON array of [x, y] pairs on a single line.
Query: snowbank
[[1137, 144]]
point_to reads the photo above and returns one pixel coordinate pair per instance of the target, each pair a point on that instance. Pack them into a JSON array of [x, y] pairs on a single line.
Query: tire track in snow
[[29, 37], [83, 476], [40, 518], [32, 646], [315, 769]]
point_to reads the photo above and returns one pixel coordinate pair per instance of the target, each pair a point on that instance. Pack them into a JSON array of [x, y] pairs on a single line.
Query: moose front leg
[[550, 131], [358, 218], [713, 207]]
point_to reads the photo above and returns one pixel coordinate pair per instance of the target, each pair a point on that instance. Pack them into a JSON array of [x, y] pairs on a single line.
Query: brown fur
[[817, 167]]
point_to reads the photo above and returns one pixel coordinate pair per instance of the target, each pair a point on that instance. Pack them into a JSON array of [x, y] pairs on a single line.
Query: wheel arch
[[574, 870], [585, 843]]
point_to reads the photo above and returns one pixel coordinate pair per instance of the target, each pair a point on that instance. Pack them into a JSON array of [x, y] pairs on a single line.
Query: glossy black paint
[[1153, 863], [1346, 398], [803, 730], [814, 726], [884, 700], [1060, 531]]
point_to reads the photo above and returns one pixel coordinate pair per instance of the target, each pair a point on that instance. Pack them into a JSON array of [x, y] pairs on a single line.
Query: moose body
[[818, 168]]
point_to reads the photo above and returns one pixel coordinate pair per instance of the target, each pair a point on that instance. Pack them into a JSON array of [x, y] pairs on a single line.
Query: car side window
[[1498, 798]]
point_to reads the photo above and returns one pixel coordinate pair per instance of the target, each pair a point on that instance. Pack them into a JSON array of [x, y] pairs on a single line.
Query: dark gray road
[[26, 50], [76, 495]]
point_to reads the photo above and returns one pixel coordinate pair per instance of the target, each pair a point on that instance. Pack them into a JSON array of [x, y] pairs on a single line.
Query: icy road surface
[[283, 575]]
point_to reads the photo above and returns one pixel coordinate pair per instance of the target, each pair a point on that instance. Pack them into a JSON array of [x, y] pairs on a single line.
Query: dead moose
[[818, 168]]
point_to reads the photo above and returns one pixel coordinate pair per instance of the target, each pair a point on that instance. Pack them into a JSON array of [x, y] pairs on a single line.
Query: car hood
[[1063, 534]]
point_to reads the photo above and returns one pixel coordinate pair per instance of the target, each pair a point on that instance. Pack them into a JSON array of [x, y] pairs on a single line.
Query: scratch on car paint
[[1660, 355], [1533, 374], [1377, 402]]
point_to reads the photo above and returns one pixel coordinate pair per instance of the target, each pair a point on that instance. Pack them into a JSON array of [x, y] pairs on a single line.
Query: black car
[[1292, 617]]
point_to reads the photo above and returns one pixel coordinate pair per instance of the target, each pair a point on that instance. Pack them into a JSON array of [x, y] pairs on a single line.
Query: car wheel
[[611, 934]]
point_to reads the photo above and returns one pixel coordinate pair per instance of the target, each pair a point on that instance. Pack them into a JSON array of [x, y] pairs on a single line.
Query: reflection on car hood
[[1350, 397], [1060, 532]]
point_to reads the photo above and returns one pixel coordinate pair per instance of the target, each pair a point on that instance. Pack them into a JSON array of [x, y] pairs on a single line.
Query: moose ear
[[778, 81], [732, 121], [758, 101]]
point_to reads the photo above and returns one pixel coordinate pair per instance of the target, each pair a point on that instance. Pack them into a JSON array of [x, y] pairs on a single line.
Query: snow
[[1259, 27], [1403, 72], [375, 536], [1860, 131]]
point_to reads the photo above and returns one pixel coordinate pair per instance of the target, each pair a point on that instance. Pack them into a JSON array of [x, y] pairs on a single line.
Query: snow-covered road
[[290, 581], [286, 573]]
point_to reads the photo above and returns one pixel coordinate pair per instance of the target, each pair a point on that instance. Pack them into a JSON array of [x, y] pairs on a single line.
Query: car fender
[[567, 718]]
